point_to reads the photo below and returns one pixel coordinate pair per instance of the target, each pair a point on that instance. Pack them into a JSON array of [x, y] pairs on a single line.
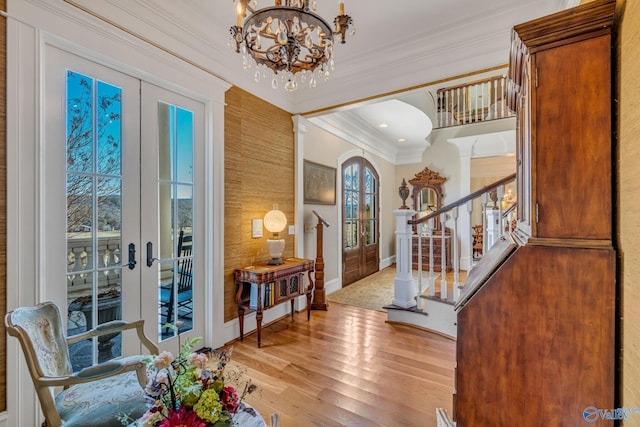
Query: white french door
[[109, 148], [173, 161]]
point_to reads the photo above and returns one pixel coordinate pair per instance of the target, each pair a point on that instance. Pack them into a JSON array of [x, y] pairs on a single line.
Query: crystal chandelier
[[289, 39]]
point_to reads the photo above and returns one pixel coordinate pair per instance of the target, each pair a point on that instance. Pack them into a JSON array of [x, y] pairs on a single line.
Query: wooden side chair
[[97, 395]]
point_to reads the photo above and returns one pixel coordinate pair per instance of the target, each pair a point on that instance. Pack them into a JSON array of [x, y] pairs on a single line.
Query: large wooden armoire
[[536, 333]]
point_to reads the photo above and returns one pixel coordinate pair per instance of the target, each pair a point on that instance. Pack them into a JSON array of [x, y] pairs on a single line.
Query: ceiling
[[398, 45]]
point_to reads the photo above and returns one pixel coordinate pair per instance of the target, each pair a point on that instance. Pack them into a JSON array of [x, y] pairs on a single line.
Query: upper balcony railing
[[473, 102]]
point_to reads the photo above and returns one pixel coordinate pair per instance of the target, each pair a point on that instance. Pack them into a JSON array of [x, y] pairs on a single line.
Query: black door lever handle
[[132, 256], [150, 257]]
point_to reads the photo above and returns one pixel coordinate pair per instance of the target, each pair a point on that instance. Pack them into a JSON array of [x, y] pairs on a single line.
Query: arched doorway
[[360, 220]]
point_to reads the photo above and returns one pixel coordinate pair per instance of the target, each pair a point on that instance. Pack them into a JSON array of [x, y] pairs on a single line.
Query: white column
[[485, 145], [299, 130], [404, 289], [465, 148]]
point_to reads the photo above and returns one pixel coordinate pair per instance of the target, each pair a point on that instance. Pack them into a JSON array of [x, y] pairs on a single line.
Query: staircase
[[424, 297]]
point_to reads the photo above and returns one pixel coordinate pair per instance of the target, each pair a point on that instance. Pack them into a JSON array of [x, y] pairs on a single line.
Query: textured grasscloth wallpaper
[[629, 200], [259, 171]]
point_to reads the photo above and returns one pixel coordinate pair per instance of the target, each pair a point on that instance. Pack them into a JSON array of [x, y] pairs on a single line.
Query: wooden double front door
[[360, 220]]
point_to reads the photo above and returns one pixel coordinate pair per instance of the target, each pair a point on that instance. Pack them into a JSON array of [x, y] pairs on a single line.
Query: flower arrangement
[[189, 390]]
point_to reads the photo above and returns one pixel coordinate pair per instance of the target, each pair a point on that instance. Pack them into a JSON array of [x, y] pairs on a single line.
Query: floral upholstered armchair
[[99, 395]]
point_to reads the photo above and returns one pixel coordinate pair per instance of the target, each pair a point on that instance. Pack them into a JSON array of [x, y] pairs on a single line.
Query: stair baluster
[[456, 258], [432, 276], [420, 232], [470, 231], [485, 241], [443, 258]]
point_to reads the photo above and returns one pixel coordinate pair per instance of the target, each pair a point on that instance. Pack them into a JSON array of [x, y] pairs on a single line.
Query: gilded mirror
[[427, 193]]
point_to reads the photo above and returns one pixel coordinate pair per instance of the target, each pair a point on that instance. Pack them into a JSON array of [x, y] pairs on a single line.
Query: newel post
[[319, 301], [404, 290]]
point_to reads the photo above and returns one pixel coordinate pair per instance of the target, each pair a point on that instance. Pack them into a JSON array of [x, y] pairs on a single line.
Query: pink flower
[[182, 418], [155, 384], [229, 399], [150, 418], [162, 378], [198, 359], [163, 360]]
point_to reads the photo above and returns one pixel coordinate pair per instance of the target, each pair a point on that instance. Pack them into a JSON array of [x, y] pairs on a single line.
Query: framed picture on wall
[[319, 184]]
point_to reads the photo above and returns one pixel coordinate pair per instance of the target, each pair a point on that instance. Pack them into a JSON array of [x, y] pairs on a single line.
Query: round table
[[247, 416]]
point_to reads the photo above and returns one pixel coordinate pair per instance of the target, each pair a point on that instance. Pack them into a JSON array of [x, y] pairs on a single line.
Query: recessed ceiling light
[[383, 125], [401, 140]]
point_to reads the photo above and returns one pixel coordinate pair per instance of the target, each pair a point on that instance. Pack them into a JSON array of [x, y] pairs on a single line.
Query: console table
[[262, 286]]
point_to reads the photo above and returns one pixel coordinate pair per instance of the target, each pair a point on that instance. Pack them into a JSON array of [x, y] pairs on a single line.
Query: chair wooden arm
[[114, 327], [96, 372]]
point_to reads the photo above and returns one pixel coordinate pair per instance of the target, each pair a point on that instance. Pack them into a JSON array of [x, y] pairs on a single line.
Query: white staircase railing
[[498, 212]]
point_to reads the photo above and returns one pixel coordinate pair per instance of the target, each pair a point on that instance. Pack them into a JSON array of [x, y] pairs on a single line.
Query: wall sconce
[[275, 221]]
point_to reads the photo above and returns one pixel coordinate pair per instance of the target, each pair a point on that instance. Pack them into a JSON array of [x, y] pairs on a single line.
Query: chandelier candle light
[[288, 38]]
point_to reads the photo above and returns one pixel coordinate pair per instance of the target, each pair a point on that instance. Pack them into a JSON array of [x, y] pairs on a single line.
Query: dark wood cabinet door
[[573, 146]]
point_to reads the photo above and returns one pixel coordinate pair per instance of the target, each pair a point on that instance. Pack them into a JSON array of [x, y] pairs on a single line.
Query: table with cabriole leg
[[262, 286]]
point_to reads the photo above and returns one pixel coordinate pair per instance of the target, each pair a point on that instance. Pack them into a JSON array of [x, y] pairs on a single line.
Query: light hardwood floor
[[348, 367]]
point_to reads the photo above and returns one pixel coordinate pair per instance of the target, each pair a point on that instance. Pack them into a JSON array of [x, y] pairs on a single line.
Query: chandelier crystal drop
[[288, 38]]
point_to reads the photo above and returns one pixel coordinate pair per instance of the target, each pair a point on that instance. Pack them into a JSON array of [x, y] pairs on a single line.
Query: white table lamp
[[275, 221]]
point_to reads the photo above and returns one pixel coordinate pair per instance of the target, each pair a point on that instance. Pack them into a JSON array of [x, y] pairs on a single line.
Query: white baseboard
[[4, 419], [332, 286], [387, 262], [232, 328]]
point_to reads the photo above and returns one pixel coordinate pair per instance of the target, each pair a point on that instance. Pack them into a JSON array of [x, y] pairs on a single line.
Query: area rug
[[376, 291], [373, 292]]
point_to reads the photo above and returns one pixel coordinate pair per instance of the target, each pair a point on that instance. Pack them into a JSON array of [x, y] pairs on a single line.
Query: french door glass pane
[[175, 189], [184, 146], [351, 200], [80, 122], [371, 208], [94, 214]]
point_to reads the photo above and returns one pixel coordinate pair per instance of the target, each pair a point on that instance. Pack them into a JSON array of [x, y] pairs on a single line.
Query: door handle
[[150, 257], [132, 256]]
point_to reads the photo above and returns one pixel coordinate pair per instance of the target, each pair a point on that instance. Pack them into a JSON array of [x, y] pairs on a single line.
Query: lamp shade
[[275, 221]]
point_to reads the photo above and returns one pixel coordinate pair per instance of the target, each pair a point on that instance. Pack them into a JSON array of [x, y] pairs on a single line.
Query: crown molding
[[349, 127], [198, 35]]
